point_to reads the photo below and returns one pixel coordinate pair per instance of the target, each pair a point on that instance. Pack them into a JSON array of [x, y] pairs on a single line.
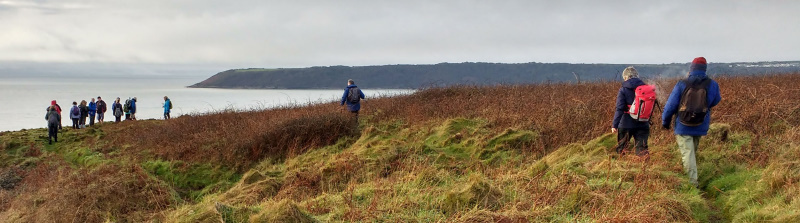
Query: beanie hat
[[629, 73], [699, 64]]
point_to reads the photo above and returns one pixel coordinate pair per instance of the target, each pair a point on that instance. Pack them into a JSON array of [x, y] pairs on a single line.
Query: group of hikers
[[690, 103], [93, 109]]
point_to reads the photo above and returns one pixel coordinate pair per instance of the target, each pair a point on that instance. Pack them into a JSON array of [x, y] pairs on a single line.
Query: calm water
[[23, 100]]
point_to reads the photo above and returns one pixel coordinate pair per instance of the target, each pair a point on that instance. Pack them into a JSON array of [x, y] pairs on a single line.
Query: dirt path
[[715, 214]]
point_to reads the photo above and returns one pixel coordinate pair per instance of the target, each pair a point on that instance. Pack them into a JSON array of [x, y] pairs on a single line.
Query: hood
[[697, 76], [53, 102], [633, 83], [351, 86]]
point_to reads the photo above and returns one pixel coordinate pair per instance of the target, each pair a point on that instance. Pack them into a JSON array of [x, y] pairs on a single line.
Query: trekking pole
[[660, 110], [658, 105]]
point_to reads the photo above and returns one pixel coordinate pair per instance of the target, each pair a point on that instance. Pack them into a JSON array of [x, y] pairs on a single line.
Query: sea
[[23, 100]]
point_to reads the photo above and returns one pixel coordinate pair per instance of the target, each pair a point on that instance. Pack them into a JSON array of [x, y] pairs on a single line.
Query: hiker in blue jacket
[[167, 107], [352, 97], [92, 112], [688, 137], [624, 123], [133, 108]]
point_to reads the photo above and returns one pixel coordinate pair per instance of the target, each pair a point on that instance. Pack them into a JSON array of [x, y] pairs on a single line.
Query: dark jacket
[[114, 107], [352, 106], [101, 107], [52, 117], [57, 111], [625, 98], [671, 108], [84, 111]]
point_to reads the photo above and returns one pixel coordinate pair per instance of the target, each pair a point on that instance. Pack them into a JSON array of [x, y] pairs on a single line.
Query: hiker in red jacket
[[624, 122]]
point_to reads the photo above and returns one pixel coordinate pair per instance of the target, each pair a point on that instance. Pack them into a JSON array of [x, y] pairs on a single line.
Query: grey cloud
[[308, 33]]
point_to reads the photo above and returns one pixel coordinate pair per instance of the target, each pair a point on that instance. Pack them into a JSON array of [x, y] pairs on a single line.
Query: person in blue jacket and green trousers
[[690, 128]]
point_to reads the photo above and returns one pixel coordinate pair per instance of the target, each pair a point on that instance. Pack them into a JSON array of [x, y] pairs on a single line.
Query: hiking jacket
[[166, 105], [352, 106], [101, 107], [92, 108], [673, 104], [114, 108], [72, 114], [57, 112], [52, 117], [625, 97], [132, 110], [84, 111]]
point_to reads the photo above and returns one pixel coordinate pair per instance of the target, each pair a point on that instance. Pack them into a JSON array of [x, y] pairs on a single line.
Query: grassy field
[[527, 153]]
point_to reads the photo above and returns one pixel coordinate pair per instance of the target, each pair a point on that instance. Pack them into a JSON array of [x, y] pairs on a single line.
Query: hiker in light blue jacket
[[167, 107], [133, 108]]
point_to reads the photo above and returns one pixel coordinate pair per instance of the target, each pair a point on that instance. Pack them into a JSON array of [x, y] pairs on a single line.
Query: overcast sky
[[259, 33]]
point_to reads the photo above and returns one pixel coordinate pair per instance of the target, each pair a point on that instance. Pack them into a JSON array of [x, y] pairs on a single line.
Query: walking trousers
[[688, 146]]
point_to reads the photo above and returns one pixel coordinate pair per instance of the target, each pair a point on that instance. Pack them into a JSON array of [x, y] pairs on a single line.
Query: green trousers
[[688, 146]]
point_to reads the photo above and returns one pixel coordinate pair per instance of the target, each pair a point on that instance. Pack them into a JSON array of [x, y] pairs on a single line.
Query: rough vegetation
[[460, 154]]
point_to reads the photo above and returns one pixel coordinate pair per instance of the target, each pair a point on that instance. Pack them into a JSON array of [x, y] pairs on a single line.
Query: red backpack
[[643, 103]]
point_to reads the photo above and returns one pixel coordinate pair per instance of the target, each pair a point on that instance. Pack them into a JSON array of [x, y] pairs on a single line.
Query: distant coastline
[[468, 73]]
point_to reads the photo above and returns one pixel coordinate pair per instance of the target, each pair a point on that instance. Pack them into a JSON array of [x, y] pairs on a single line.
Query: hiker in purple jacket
[[75, 114], [623, 123]]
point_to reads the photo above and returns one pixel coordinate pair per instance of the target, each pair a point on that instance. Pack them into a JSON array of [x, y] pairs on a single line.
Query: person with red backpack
[[635, 102], [691, 101]]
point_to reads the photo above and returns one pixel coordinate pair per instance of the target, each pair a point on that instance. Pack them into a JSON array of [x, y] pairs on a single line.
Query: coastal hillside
[[506, 153], [449, 74]]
